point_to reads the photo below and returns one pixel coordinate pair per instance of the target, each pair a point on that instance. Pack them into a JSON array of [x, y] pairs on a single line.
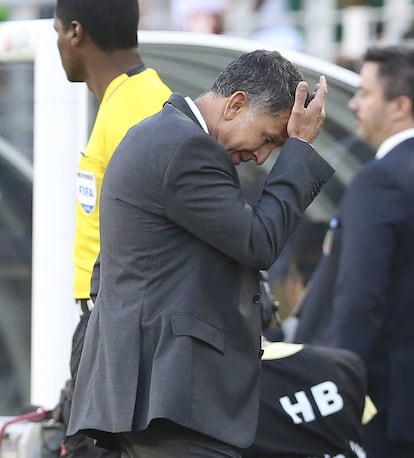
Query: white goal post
[[59, 134]]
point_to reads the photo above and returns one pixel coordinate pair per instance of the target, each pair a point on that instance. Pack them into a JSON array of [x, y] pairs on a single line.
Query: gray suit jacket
[[175, 332]]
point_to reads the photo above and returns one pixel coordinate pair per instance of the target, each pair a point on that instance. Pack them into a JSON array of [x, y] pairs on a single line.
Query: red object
[[37, 415], [63, 449]]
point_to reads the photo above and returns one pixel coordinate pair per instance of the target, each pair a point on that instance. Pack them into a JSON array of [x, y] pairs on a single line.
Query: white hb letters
[[326, 396]]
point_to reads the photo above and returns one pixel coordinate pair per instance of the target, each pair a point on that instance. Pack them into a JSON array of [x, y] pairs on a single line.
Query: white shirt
[[197, 114], [391, 142]]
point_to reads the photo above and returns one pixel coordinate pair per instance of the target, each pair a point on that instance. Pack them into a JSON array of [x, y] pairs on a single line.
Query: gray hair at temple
[[268, 79]]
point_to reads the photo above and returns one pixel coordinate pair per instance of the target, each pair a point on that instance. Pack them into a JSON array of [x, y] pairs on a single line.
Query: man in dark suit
[[170, 366], [361, 296]]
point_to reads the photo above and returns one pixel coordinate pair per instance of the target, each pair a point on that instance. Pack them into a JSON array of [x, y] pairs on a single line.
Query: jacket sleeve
[[202, 195]]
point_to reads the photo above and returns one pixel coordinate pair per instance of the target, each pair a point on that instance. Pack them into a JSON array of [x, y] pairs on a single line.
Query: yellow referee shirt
[[127, 101]]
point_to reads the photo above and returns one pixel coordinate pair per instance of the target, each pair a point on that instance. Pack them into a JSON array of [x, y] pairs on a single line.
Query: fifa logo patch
[[86, 190]]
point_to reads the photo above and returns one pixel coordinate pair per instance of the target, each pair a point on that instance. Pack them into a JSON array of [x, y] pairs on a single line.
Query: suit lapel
[[178, 102]]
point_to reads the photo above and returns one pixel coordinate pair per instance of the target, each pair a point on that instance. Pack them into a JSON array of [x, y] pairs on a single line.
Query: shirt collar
[[391, 142], [197, 114]]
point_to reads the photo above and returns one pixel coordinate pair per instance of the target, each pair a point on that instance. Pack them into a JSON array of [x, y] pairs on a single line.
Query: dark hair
[[396, 69], [267, 77], [111, 24]]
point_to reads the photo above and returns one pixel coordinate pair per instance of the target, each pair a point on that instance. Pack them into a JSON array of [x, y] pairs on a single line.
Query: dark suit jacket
[[362, 294], [175, 332]]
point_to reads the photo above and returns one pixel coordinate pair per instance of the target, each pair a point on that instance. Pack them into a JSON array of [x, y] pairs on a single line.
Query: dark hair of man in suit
[[395, 69], [266, 77], [110, 24]]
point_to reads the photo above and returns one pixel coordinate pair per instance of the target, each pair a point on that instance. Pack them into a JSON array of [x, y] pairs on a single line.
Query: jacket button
[[256, 298]]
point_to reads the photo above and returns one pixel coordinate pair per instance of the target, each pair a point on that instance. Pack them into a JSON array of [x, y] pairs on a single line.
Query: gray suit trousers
[[165, 439]]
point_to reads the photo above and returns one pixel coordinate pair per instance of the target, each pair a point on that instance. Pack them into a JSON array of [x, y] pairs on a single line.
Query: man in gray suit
[[171, 361]]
